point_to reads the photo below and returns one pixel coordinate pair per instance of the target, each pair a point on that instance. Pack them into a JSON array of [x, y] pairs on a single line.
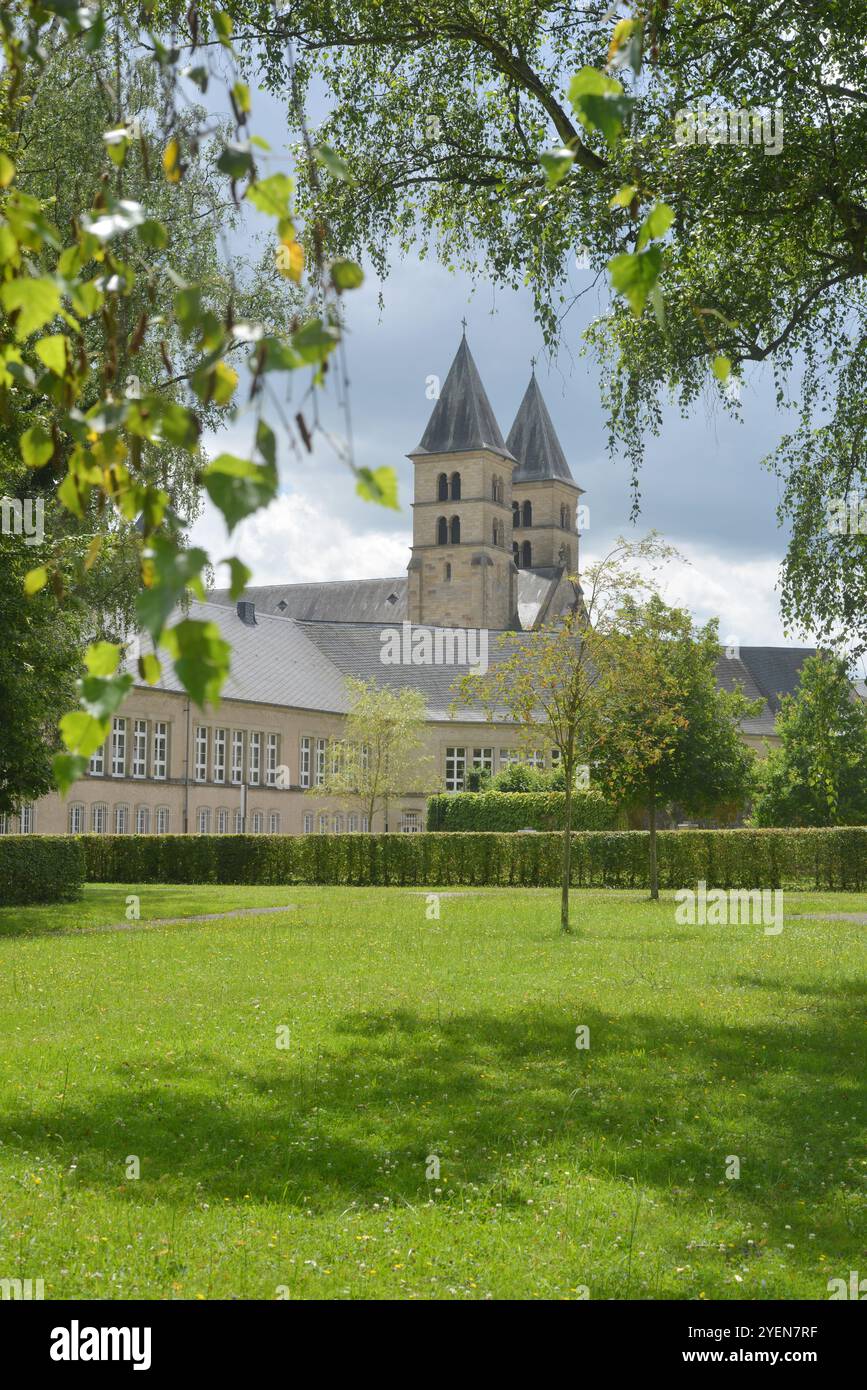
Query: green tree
[[379, 758], [551, 683], [447, 107], [670, 735], [818, 775], [120, 329]]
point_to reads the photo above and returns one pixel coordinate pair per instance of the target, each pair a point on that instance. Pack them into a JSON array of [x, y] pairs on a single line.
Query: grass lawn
[[301, 1171]]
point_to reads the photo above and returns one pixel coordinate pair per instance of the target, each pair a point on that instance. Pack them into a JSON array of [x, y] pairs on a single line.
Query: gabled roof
[[462, 418], [534, 443], [776, 670], [334, 600]]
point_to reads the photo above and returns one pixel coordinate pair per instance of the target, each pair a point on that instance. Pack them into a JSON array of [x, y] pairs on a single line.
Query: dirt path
[[183, 921]]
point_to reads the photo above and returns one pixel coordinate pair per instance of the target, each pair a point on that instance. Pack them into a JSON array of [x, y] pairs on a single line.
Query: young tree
[[379, 757], [818, 776], [670, 734], [550, 681]]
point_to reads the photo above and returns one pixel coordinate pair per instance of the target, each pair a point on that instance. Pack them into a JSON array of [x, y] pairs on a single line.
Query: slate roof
[[356, 600], [775, 670], [303, 664], [534, 443], [369, 600], [462, 418]]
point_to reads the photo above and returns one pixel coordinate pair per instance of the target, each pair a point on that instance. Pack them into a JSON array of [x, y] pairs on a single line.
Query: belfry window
[[456, 487], [442, 488], [526, 555], [455, 530], [442, 531], [527, 514]]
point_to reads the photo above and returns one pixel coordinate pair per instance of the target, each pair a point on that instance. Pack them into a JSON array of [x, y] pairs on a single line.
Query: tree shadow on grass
[[656, 1101]]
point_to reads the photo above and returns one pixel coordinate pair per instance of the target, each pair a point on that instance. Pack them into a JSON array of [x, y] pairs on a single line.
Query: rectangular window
[[219, 755], [142, 820], [204, 820], [98, 818], [161, 751], [239, 822], [536, 758], [96, 766], [308, 823], [237, 757], [121, 820], [337, 825], [201, 772], [509, 756], [411, 822], [323, 823], [255, 759], [271, 760], [222, 821], [320, 762], [26, 820], [352, 824], [140, 748], [365, 825], [304, 765], [162, 820], [76, 819], [118, 747], [483, 759], [257, 822], [456, 766], [274, 823]]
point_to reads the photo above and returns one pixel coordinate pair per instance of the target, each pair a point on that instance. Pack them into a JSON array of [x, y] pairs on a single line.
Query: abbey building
[[496, 529]]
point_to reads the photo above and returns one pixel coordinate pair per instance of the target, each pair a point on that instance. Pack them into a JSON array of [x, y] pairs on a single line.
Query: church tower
[[544, 493], [461, 573]]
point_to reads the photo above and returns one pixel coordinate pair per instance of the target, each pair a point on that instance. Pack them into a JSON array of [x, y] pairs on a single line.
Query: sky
[[703, 486]]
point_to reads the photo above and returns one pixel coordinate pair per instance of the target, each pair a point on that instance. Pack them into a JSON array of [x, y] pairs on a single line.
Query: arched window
[[442, 488], [99, 818], [527, 514], [442, 531], [121, 819], [516, 553], [75, 819], [564, 517], [526, 555], [455, 530], [456, 487], [494, 533], [516, 514], [495, 489], [448, 573]]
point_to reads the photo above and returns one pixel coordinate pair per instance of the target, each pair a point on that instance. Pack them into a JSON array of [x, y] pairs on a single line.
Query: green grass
[[304, 1169]]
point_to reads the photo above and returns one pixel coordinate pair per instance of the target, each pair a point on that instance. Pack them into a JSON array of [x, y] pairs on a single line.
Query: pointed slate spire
[[534, 443], [462, 418]]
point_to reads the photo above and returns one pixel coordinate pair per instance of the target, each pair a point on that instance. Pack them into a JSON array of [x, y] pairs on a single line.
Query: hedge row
[[40, 868], [835, 859], [518, 811]]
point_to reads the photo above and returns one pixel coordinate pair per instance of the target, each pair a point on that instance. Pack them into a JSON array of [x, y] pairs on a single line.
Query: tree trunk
[[654, 867], [567, 857]]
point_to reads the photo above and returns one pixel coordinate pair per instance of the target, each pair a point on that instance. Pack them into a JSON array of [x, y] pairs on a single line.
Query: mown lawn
[[302, 1171]]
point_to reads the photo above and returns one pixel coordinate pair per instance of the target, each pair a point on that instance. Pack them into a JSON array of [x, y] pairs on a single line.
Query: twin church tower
[[485, 510]]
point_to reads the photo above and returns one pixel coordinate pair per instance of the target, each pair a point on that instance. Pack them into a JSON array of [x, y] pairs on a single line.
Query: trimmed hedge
[[835, 859], [518, 811], [40, 868]]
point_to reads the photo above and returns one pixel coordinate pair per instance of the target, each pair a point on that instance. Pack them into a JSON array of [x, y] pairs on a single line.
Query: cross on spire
[[464, 325], [533, 365]]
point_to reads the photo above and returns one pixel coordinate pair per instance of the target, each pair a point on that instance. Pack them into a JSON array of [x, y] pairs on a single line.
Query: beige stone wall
[[471, 584], [546, 535], [183, 796]]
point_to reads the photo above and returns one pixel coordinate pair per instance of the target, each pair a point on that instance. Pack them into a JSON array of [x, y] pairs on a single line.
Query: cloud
[[297, 540]]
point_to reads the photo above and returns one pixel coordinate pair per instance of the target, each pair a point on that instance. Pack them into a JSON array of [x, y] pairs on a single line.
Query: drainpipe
[[187, 774]]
